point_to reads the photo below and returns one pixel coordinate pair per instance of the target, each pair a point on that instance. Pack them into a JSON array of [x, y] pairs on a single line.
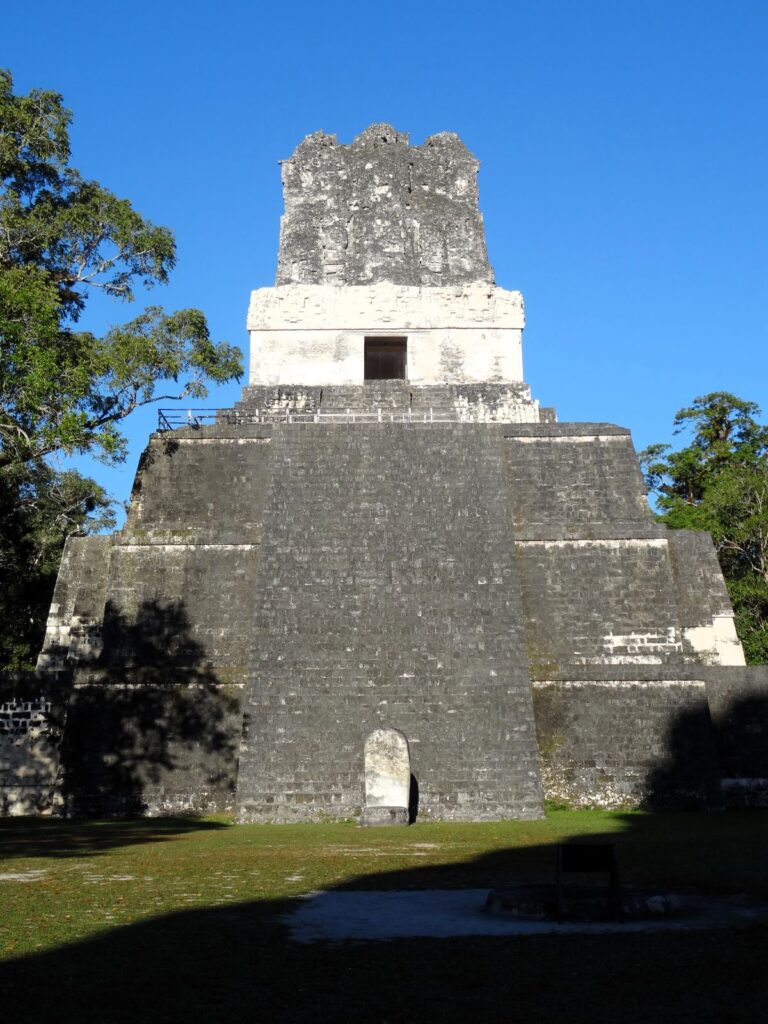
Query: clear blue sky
[[623, 146]]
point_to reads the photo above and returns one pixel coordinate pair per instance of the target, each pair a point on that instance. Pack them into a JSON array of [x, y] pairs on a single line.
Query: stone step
[[391, 400]]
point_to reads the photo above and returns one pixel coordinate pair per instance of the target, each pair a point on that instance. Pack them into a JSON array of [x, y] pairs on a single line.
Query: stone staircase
[[387, 597]]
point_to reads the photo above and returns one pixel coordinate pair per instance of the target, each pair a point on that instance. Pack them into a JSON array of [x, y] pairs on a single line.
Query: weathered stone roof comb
[[380, 210]]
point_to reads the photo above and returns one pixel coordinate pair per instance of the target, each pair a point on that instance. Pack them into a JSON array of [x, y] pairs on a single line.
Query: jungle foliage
[[64, 390], [719, 482]]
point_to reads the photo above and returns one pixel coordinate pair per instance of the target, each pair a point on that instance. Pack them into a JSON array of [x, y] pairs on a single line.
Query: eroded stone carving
[[387, 778], [381, 210]]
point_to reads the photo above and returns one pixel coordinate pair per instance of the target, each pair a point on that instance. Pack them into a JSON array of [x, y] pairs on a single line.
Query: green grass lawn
[[180, 920]]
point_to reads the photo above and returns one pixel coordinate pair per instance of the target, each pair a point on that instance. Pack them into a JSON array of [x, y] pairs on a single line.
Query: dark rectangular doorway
[[385, 358]]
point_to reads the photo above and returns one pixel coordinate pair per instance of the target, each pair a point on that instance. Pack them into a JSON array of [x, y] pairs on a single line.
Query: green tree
[[719, 482], [64, 390], [39, 508], [61, 237]]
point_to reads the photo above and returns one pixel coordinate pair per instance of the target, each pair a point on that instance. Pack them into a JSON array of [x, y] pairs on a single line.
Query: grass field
[[180, 920]]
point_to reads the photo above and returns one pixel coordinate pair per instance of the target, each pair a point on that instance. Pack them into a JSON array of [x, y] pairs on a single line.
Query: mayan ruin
[[388, 583]]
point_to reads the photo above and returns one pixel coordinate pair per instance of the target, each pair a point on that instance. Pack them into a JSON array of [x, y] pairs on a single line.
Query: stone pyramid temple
[[387, 535]]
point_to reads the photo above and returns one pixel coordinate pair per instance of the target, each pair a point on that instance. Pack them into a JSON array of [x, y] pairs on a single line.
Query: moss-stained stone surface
[[381, 210], [387, 597], [431, 553], [329, 580]]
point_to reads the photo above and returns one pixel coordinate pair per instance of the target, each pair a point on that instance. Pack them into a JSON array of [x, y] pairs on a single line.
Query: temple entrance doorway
[[385, 358]]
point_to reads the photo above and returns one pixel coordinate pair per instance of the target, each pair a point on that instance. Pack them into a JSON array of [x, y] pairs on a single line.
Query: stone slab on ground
[[444, 914]]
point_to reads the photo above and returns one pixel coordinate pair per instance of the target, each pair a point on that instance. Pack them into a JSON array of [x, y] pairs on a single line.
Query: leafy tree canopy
[[64, 390], [62, 236], [719, 482], [39, 508]]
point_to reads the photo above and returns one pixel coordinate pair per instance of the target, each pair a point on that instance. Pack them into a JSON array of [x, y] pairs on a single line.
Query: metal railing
[[173, 419]]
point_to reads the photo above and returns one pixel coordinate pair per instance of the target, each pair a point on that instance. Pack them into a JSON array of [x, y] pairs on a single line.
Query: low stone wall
[[136, 748], [32, 718], [102, 748], [626, 736], [486, 402], [738, 702]]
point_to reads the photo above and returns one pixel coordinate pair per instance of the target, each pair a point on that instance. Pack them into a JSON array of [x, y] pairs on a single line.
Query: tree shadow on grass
[[238, 963], [40, 837]]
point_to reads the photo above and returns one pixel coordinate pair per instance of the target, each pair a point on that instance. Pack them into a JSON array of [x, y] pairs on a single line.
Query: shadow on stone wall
[[687, 778], [156, 642], [741, 736], [151, 728], [705, 748]]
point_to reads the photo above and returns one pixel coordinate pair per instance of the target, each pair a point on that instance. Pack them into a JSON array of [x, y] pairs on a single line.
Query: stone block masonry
[[387, 598], [308, 334], [153, 709], [582, 608], [386, 537], [706, 617], [139, 747], [738, 703], [33, 710], [77, 610], [394, 399], [602, 582], [329, 580], [381, 210], [576, 476], [626, 736]]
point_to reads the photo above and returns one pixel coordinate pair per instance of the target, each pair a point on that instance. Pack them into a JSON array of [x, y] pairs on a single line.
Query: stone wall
[[305, 334], [328, 580], [387, 597], [107, 748], [654, 736], [599, 601], [704, 607], [738, 702], [381, 210], [577, 476], [32, 718], [137, 747], [626, 736], [394, 399], [200, 486], [77, 609], [186, 560], [154, 718], [596, 578]]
